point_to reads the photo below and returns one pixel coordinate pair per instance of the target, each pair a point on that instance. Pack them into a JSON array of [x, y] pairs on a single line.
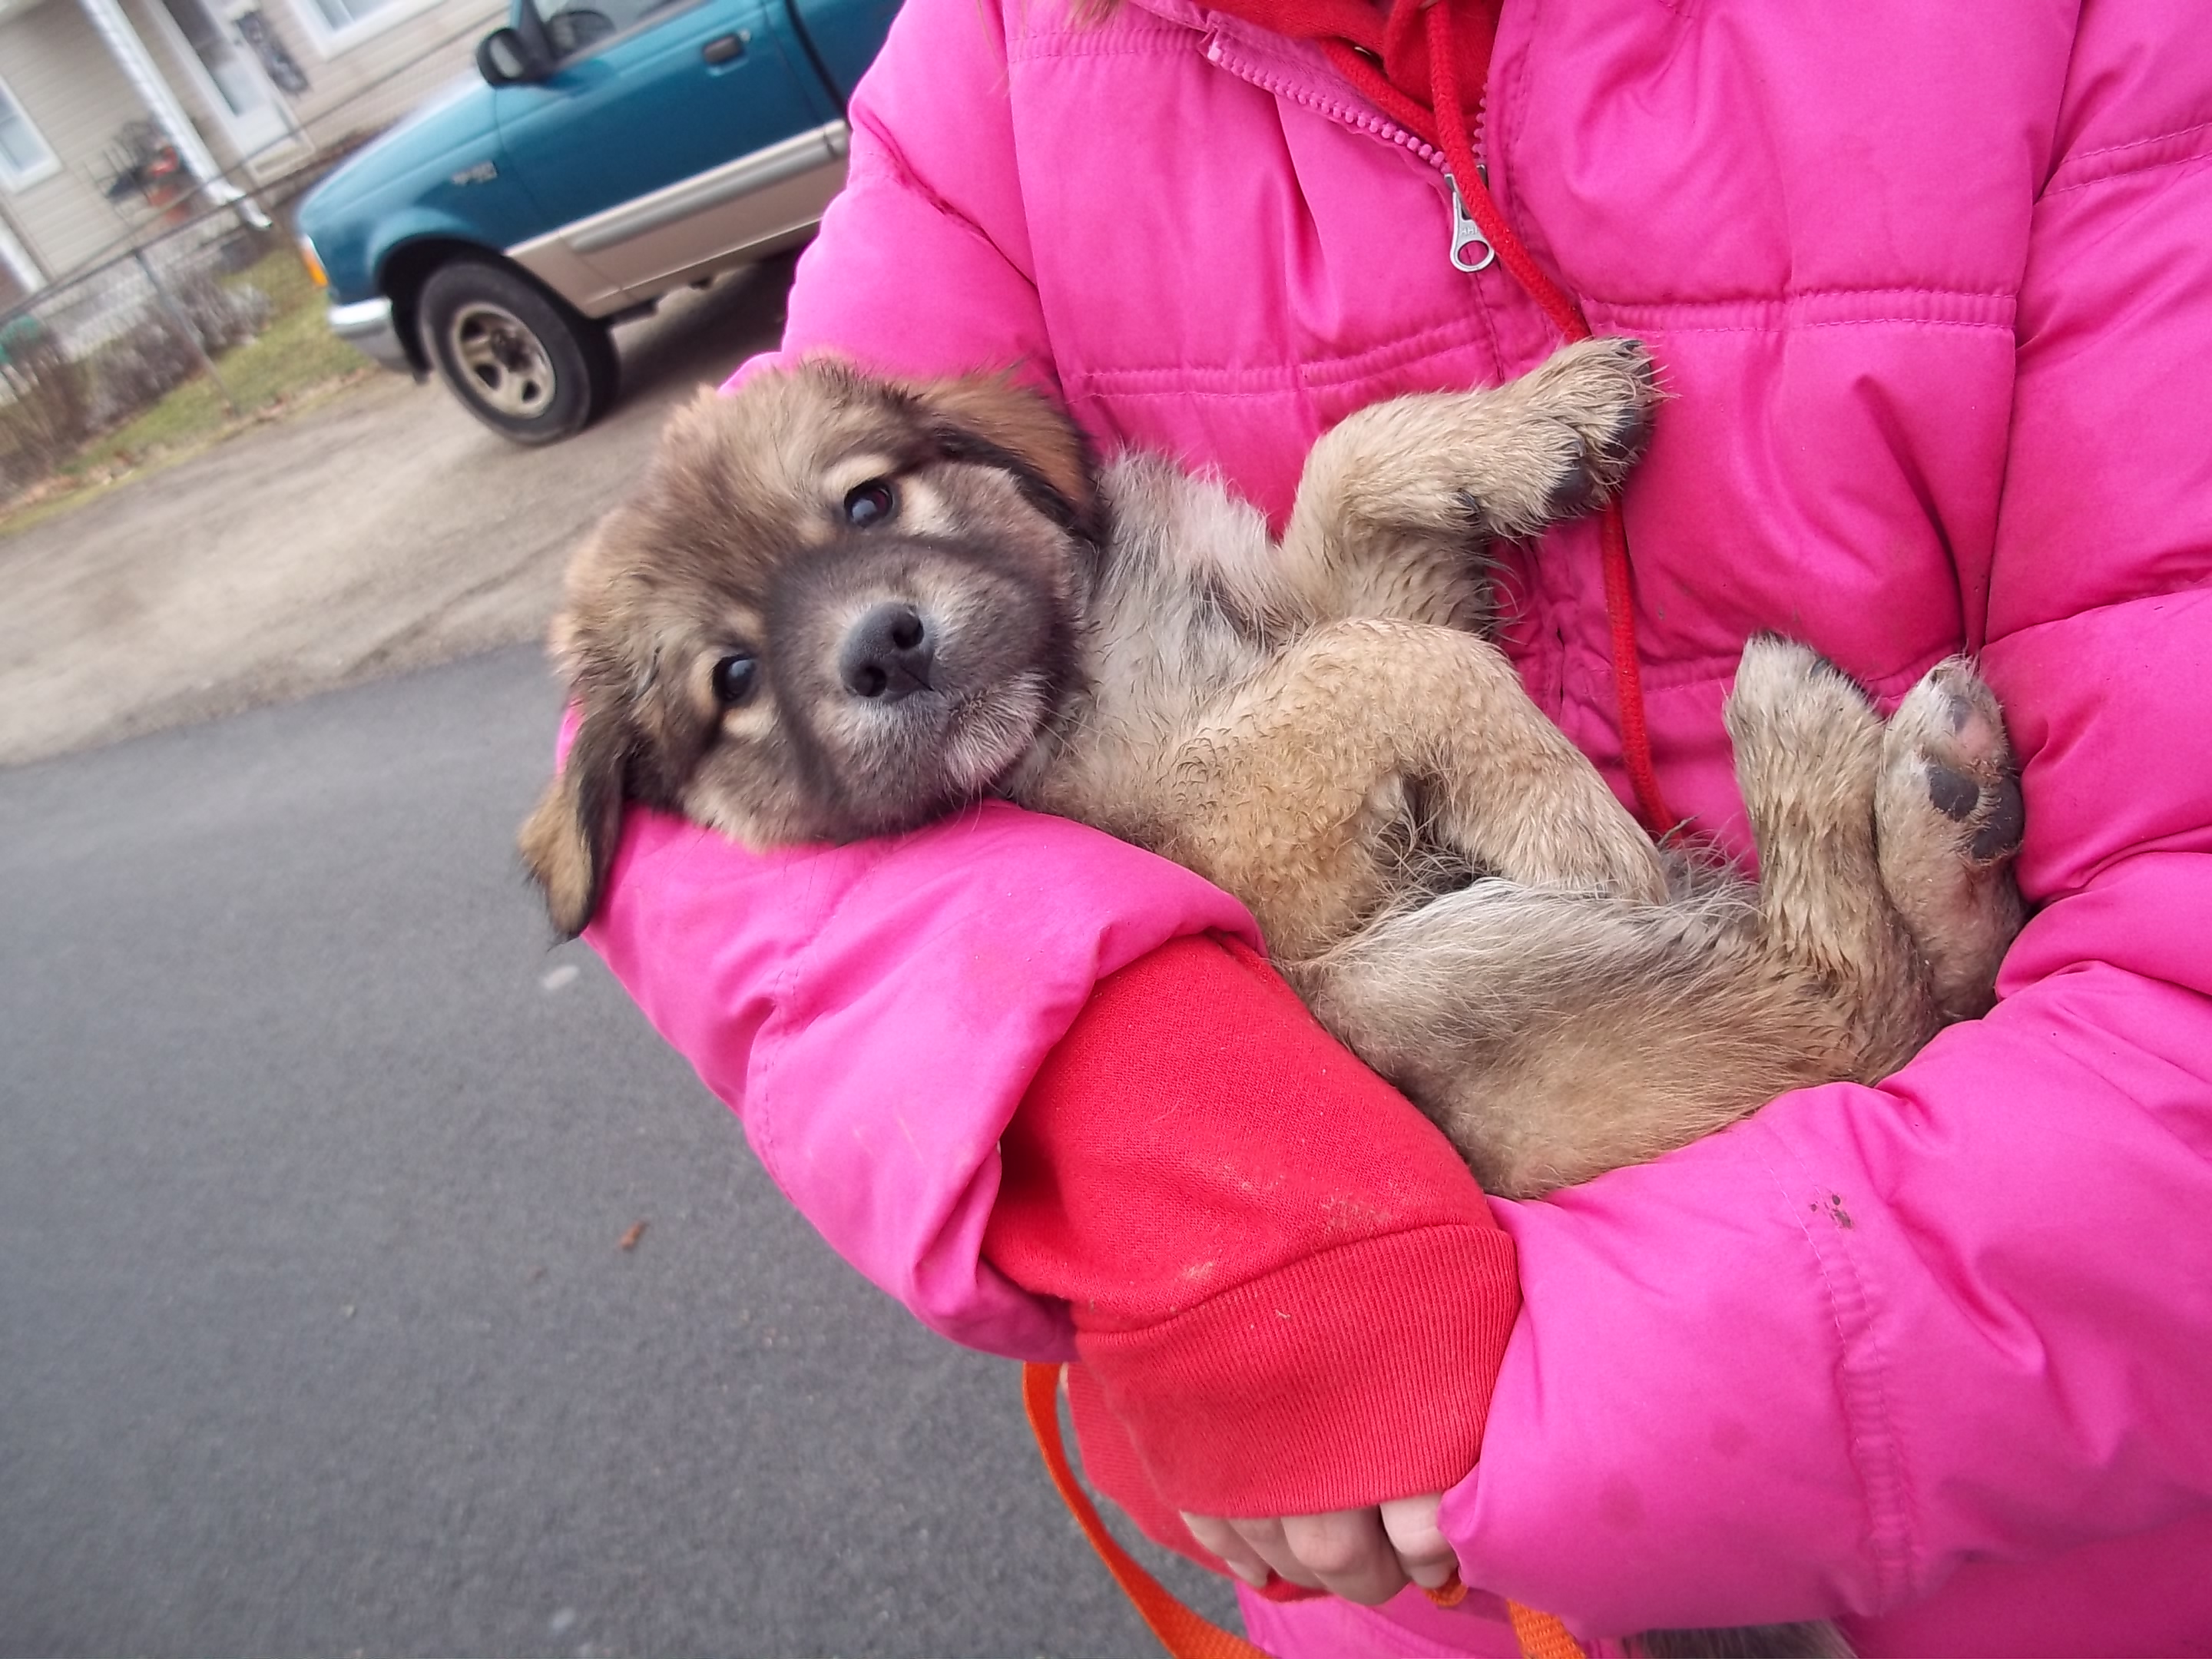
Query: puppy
[[840, 607]]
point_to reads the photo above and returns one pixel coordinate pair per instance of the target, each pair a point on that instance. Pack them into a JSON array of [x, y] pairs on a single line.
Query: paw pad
[[2000, 834], [1949, 733], [1955, 793]]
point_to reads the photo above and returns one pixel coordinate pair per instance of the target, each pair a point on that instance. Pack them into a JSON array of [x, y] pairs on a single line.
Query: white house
[[247, 88]]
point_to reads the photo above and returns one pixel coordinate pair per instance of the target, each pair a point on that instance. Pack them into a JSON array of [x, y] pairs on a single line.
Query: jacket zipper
[[1466, 234]]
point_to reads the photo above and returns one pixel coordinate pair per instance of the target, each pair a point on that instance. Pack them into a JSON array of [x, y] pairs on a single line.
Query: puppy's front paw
[[1499, 464], [1603, 393]]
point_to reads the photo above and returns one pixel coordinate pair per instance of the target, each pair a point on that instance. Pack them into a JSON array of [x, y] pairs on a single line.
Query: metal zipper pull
[[1466, 233]]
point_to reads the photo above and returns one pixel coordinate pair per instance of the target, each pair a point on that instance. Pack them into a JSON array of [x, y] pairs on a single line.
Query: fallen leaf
[[629, 1239]]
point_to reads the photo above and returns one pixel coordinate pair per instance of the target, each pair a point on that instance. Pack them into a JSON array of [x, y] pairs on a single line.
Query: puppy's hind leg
[[1808, 752], [1949, 818], [1553, 1036], [1274, 797], [1504, 788]]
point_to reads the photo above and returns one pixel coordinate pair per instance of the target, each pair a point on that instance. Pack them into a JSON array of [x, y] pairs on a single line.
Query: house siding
[[73, 92], [71, 87]]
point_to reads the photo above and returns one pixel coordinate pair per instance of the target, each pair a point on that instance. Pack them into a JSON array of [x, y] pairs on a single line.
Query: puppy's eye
[[734, 676], [870, 503]]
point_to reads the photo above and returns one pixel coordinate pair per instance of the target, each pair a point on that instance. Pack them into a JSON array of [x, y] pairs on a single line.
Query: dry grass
[[294, 363]]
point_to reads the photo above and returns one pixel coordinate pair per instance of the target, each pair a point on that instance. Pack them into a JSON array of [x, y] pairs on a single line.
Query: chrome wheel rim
[[503, 364]]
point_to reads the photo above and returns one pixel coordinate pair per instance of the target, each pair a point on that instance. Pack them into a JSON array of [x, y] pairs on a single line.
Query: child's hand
[[1363, 1555]]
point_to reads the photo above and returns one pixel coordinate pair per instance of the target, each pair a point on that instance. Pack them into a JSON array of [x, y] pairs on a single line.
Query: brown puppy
[[839, 608]]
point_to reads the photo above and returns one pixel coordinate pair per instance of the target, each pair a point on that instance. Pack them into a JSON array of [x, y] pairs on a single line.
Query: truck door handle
[[725, 47]]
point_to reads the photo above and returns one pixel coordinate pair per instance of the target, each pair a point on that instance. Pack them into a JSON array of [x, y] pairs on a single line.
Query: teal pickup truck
[[608, 152]]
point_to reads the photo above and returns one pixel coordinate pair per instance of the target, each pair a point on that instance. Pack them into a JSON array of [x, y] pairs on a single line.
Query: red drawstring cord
[[1540, 1635], [1446, 126], [1628, 675]]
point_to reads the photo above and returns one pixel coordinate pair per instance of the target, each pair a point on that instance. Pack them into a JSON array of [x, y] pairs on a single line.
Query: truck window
[[578, 26]]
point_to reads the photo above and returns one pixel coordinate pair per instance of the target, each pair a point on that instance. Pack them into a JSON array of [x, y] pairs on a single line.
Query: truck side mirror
[[504, 58]]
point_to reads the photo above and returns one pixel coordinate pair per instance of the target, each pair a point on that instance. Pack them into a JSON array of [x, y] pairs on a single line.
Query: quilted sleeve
[[874, 1012]]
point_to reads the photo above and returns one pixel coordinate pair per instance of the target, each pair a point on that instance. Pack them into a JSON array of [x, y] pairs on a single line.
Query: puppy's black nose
[[887, 653]]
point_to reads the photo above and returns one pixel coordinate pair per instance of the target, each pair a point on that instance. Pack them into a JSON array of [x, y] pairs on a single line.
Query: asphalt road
[[315, 1333]]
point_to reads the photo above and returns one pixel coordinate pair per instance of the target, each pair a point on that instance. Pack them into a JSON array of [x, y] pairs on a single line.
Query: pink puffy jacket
[[1931, 286]]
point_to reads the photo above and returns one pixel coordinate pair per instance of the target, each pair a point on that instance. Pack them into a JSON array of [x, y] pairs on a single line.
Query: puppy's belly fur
[[1559, 1012]]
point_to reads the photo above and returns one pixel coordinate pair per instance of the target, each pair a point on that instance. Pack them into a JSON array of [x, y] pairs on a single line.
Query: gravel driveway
[[385, 531]]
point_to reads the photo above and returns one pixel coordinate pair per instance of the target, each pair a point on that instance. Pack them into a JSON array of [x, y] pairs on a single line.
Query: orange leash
[[1180, 1630], [1542, 1635]]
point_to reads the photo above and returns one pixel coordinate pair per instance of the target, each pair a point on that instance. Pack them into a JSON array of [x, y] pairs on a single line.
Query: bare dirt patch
[[382, 531]]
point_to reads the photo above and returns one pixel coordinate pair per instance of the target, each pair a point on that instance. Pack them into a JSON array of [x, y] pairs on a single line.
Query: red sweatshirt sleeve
[[1285, 1287]]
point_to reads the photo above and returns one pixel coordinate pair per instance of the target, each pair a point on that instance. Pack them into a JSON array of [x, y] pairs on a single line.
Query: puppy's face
[[837, 608]]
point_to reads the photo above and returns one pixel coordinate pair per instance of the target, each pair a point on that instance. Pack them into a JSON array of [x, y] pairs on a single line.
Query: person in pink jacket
[[1931, 288]]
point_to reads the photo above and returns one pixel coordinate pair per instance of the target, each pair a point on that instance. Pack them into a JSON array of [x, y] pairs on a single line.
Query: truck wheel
[[527, 366]]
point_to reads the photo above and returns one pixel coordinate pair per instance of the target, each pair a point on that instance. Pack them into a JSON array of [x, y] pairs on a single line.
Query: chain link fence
[[174, 296]]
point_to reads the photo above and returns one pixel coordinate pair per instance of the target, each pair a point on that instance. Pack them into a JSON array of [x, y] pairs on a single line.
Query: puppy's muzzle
[[887, 655]]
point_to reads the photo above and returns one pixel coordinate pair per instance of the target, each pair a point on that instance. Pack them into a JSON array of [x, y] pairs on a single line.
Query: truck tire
[[530, 367]]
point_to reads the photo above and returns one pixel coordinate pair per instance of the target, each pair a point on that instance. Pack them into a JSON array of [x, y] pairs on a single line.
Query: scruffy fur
[[930, 595], [1318, 726]]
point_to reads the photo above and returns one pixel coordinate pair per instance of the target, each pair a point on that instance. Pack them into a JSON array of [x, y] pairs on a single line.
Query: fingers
[[1225, 1541], [1411, 1526], [1253, 1549], [1266, 1538], [1347, 1553]]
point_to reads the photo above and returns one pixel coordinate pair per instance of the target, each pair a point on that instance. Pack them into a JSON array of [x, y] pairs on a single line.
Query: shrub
[[135, 368], [152, 358], [224, 317], [51, 403], [49, 407]]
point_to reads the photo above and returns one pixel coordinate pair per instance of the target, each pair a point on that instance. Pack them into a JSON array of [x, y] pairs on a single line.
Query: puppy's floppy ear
[[989, 419], [568, 840]]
